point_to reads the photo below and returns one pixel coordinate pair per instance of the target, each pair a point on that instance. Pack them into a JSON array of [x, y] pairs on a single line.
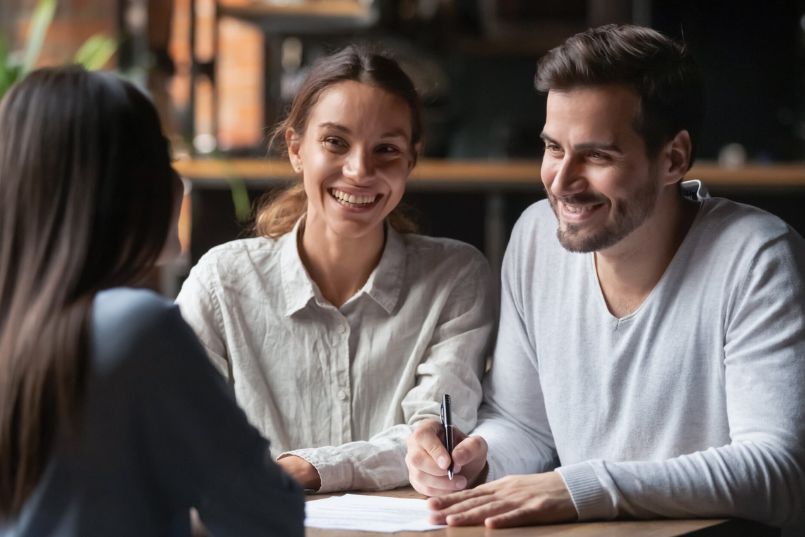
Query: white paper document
[[368, 513]]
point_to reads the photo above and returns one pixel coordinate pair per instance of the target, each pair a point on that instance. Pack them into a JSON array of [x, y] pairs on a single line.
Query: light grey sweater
[[691, 406]]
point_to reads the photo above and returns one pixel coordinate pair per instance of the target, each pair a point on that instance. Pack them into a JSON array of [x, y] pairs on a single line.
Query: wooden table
[[621, 528]]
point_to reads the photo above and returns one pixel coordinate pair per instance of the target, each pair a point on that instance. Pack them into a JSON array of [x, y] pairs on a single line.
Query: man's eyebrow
[[596, 146]]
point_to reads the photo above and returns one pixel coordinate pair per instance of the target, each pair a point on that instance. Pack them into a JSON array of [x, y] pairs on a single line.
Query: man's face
[[597, 175]]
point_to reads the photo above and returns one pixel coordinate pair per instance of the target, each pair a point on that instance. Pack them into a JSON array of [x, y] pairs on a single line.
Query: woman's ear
[[293, 143], [416, 152]]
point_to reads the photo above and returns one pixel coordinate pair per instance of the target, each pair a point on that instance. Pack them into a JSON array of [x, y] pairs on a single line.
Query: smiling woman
[[338, 326]]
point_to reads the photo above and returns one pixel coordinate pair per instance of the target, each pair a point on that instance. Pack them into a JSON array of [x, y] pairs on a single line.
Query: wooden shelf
[[318, 8], [482, 175], [305, 17]]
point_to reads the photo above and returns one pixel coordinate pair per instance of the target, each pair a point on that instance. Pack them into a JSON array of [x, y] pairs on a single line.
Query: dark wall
[[752, 55]]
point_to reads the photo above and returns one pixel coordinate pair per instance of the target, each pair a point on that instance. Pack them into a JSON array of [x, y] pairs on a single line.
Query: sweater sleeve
[[760, 474], [200, 443], [513, 410], [453, 363]]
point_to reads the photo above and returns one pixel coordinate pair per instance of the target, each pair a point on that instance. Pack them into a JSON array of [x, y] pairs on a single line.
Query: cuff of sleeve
[[586, 491], [334, 477]]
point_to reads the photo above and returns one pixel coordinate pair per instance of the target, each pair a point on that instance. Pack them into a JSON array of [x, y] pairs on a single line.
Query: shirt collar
[[385, 281], [297, 286], [383, 286]]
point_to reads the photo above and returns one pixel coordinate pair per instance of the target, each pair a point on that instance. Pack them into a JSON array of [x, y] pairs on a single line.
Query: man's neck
[[629, 270], [339, 266]]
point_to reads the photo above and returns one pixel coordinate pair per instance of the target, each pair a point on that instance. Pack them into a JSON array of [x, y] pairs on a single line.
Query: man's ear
[[677, 155], [293, 143]]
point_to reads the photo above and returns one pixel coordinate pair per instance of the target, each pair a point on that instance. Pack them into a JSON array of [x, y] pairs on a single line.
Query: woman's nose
[[358, 164]]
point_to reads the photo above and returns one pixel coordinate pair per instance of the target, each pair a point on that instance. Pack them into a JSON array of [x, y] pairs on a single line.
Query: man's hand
[[302, 471], [517, 500], [427, 460]]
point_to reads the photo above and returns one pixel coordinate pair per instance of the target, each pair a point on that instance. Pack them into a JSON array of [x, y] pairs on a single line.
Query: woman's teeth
[[352, 199]]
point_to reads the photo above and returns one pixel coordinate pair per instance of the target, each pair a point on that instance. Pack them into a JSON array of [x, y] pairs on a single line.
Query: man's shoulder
[[535, 228], [537, 217], [731, 223]]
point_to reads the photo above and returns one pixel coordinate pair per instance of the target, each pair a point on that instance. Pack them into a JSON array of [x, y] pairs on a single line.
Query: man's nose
[[568, 178]]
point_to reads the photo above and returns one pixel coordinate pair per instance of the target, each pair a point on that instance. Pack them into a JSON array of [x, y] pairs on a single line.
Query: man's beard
[[627, 216]]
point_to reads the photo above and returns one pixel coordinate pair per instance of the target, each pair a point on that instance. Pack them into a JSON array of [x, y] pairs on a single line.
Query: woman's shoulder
[[440, 248], [441, 256], [232, 253], [132, 323], [129, 306]]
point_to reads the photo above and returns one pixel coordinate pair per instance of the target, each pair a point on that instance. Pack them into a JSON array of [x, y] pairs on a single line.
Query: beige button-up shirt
[[342, 387]]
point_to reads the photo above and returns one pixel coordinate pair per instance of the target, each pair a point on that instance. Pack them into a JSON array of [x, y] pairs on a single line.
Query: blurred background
[[222, 72]]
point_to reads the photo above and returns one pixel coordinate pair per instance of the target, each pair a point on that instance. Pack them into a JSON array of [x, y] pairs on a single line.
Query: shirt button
[[342, 329], [342, 395]]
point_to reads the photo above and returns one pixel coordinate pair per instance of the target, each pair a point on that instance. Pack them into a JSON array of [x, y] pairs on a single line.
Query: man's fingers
[[426, 437], [462, 506], [420, 460], [470, 449], [431, 485], [443, 502], [477, 515], [510, 519]]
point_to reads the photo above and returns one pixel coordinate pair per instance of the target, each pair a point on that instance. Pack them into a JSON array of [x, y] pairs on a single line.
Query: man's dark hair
[[660, 70]]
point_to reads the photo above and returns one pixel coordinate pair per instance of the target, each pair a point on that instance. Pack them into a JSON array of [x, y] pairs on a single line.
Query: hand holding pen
[[430, 463], [447, 428]]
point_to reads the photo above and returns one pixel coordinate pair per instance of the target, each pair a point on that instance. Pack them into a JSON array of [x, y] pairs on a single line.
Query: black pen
[[447, 426]]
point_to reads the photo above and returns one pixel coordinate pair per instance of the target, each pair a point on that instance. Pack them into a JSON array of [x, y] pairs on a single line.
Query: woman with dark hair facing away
[[112, 420], [338, 327]]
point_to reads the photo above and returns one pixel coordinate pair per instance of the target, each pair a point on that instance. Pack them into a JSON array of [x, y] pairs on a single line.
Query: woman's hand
[[302, 471]]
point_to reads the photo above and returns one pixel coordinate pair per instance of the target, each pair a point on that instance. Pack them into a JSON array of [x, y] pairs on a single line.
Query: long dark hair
[[358, 63], [85, 204]]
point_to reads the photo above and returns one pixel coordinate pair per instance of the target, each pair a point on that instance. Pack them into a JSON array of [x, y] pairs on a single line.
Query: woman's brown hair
[[279, 213], [85, 204]]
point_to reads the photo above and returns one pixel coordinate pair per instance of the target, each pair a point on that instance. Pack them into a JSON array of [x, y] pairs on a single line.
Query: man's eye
[[552, 148]]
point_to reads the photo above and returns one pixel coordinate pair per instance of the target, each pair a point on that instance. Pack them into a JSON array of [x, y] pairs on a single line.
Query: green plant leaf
[[40, 22], [9, 70], [240, 198], [4, 66], [95, 52]]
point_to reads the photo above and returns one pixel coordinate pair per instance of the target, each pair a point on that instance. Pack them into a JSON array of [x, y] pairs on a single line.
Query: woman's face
[[355, 156]]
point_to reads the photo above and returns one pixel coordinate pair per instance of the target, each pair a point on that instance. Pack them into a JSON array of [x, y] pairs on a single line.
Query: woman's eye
[[333, 143], [387, 149]]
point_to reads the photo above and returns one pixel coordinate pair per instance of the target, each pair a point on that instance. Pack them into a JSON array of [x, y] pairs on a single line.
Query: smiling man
[[650, 360]]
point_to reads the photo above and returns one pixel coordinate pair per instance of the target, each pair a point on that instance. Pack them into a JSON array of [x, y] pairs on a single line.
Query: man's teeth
[[351, 198], [578, 209]]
